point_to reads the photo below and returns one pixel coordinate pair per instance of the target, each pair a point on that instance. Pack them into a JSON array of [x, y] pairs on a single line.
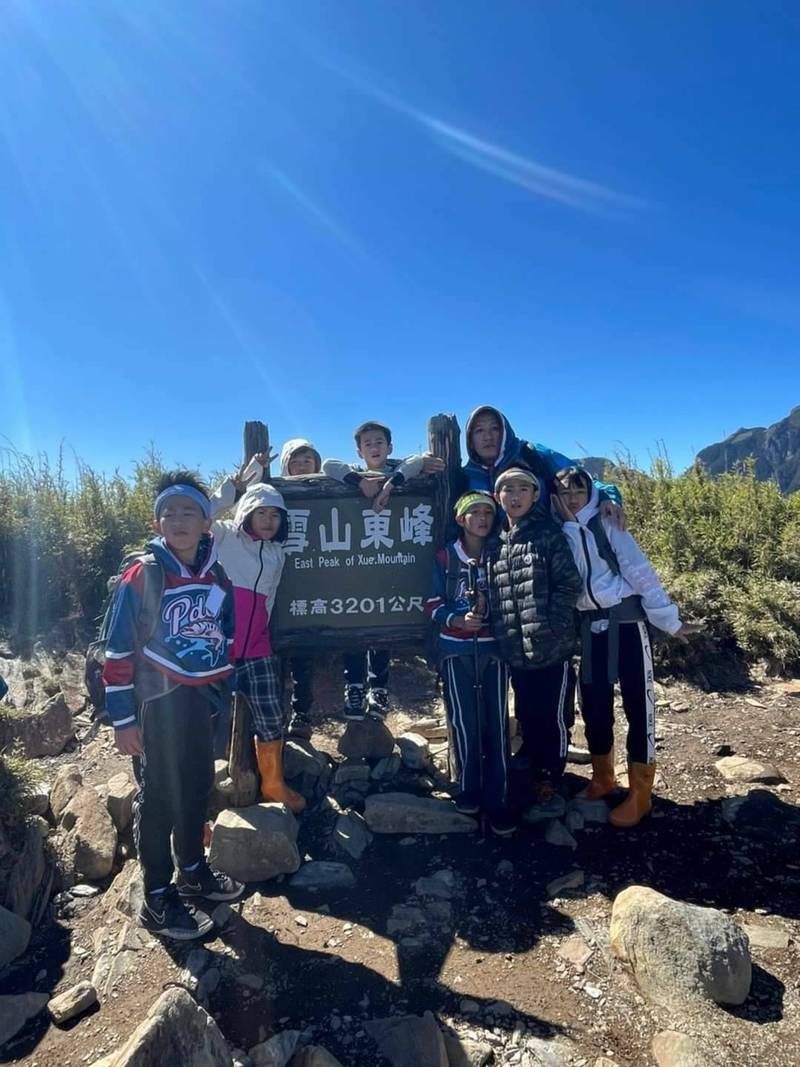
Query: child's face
[[265, 523], [181, 523], [303, 462], [478, 521], [485, 437], [374, 449], [517, 497], [575, 495]]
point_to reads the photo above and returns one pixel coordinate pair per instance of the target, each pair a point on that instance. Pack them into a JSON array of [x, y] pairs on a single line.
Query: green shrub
[[19, 777]]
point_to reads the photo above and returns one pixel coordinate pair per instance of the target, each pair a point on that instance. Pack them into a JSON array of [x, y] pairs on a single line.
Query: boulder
[[126, 893], [465, 1052], [763, 816], [39, 733], [29, 881], [92, 833], [414, 751], [119, 799], [314, 1056], [409, 1040], [368, 739], [768, 937], [679, 951], [66, 784], [37, 801], [441, 885], [277, 1051], [73, 1002], [176, 1031], [321, 875], [15, 1011], [255, 843], [742, 769], [589, 810], [674, 1049], [403, 813], [557, 834], [351, 834], [15, 933], [387, 768]]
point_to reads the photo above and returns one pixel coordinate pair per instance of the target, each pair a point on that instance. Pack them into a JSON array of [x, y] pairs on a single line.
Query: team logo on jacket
[[191, 629]]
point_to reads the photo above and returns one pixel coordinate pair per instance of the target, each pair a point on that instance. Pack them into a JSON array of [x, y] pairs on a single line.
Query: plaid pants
[[259, 681]]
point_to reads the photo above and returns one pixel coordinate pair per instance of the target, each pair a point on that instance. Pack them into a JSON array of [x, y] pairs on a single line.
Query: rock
[[15, 1011], [464, 1052], [351, 834], [66, 784], [406, 919], [39, 733], [320, 875], [15, 933], [73, 1002], [590, 810], [126, 892], [573, 880], [414, 751], [768, 937], [387, 768], [763, 816], [277, 1051], [346, 773], [119, 800], [208, 983], [673, 1049], [82, 890], [368, 739], [409, 1040], [679, 951], [92, 834], [575, 951], [573, 820], [557, 834], [28, 886], [303, 764], [467, 1006], [742, 769], [402, 813], [255, 843], [578, 755], [442, 885], [38, 800], [176, 1031], [551, 1052], [198, 960], [314, 1056], [553, 808]]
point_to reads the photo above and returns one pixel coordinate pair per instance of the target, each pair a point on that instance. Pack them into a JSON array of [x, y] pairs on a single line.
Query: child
[[376, 482], [159, 680], [534, 586], [620, 594], [251, 550], [299, 457], [477, 722]]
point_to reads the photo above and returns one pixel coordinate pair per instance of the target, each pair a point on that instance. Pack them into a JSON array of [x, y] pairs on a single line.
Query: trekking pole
[[477, 685]]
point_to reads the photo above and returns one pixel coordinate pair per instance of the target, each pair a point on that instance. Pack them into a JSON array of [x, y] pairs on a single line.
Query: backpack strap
[[152, 591], [451, 574], [595, 524]]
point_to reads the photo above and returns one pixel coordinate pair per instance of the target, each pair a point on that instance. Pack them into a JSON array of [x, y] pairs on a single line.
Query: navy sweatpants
[[475, 737], [544, 704], [367, 666]]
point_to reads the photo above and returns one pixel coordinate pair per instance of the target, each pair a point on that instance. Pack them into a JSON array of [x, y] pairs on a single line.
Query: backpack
[[595, 524], [153, 587], [451, 576]]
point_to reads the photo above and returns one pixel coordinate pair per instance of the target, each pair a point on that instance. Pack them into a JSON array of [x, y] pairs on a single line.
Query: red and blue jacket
[[192, 633], [449, 598]]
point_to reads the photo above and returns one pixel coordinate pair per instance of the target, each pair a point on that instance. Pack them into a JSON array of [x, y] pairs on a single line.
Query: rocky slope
[[775, 450]]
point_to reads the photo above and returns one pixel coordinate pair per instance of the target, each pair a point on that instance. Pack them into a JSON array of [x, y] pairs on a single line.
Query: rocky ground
[[506, 943]]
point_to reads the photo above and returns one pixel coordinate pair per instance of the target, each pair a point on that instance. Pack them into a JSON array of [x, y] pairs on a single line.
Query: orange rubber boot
[[604, 781], [638, 801], [270, 769]]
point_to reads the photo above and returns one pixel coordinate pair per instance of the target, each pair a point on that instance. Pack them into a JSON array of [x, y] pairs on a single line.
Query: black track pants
[[302, 668], [638, 694], [544, 702], [479, 733], [370, 666], [175, 776]]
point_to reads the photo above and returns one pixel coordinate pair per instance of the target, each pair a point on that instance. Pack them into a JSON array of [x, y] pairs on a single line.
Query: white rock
[[119, 799], [72, 1002], [414, 751], [403, 813], [255, 843], [176, 1031], [742, 769]]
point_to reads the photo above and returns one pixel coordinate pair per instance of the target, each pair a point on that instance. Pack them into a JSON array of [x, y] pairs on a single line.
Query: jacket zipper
[[588, 569], [255, 602]]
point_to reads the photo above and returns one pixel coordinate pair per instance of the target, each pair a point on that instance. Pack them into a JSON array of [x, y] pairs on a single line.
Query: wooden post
[[256, 439], [242, 762], [444, 440]]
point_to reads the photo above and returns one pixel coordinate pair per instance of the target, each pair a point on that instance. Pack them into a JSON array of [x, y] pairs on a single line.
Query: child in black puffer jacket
[[534, 586]]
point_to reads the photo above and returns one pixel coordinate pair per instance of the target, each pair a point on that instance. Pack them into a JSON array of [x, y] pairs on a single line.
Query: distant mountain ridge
[[775, 450]]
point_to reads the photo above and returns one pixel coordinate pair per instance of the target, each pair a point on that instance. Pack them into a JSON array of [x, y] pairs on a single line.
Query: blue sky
[[319, 212]]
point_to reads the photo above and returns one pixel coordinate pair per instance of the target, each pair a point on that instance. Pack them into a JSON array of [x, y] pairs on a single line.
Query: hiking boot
[[167, 915], [468, 803], [354, 703], [638, 802], [603, 781], [377, 704], [205, 882], [502, 824]]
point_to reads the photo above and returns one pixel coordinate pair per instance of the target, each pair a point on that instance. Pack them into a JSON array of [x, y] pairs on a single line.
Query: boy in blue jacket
[[167, 652], [476, 706]]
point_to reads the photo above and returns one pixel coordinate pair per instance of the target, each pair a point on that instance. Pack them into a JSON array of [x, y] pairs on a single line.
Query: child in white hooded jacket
[[621, 597], [250, 548]]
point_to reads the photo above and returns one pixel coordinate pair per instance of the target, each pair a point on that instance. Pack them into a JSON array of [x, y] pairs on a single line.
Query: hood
[[206, 557], [587, 512], [289, 449], [258, 496], [509, 444]]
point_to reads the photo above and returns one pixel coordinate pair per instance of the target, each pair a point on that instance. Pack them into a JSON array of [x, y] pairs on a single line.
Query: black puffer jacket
[[533, 589]]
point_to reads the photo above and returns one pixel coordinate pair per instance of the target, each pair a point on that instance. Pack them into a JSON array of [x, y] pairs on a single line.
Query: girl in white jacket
[[250, 548], [621, 595]]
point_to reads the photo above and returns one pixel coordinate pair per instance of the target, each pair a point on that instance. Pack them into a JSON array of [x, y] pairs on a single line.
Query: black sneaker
[[209, 884], [300, 729], [377, 704], [502, 824], [468, 803], [354, 703], [167, 915]]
